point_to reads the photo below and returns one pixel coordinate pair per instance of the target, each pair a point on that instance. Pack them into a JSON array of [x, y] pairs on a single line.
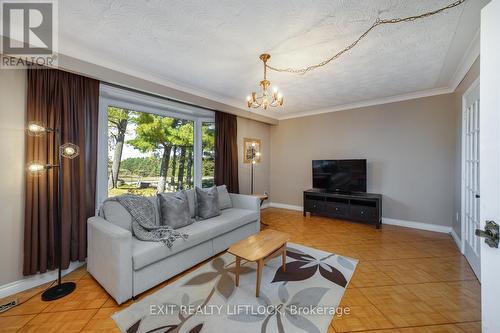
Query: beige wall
[[471, 76], [256, 130], [409, 145], [12, 116]]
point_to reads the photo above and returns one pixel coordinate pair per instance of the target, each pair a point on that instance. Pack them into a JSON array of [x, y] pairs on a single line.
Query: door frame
[[462, 153]]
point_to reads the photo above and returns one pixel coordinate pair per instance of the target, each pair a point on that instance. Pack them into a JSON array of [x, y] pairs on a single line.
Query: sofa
[[125, 266]]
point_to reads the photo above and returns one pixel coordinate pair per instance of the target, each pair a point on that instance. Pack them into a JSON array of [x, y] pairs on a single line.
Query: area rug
[[304, 298]]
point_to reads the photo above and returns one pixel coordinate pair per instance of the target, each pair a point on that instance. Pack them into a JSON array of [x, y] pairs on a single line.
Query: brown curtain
[[68, 102], [226, 151]]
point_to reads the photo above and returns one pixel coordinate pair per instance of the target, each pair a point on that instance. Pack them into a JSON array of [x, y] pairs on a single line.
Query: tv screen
[[339, 175]]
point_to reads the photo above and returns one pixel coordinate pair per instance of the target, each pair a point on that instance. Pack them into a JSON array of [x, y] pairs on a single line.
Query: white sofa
[[126, 266]]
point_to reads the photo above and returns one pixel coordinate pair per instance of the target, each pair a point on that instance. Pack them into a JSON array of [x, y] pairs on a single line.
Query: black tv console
[[359, 206]]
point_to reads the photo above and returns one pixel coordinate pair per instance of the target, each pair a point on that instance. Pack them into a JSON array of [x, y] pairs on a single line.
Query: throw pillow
[[174, 209], [224, 198], [191, 196], [208, 202]]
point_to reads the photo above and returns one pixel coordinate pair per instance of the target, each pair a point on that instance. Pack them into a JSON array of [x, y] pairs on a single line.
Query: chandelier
[[266, 99], [275, 99]]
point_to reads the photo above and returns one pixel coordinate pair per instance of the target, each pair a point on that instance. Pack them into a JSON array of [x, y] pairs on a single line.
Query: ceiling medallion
[[266, 99]]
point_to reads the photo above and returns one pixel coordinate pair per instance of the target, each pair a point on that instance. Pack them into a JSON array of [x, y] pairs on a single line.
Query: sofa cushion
[[115, 213], [174, 209], [146, 253], [224, 198], [207, 202], [230, 219]]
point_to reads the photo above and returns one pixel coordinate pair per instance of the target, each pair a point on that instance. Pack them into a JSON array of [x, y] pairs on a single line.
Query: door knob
[[490, 233]]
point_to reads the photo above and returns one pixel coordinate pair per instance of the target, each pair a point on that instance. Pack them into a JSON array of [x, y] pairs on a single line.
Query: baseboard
[[285, 206], [457, 240], [35, 280], [265, 205], [417, 225], [385, 220]]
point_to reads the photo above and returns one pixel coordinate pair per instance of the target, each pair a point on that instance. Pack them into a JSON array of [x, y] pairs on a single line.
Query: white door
[[490, 162], [471, 246]]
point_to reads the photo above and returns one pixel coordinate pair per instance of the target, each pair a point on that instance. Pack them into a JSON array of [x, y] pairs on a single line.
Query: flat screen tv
[[339, 175]]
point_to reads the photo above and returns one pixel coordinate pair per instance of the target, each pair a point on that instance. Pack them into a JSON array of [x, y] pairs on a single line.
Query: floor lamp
[[254, 157], [69, 151]]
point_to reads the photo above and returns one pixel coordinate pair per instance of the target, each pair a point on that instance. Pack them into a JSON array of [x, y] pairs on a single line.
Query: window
[[150, 145], [148, 153]]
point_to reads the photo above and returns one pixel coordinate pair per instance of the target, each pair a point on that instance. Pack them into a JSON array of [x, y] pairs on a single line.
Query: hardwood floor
[[407, 281]]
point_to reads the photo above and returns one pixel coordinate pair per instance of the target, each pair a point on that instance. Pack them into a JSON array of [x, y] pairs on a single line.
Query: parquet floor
[[407, 281]]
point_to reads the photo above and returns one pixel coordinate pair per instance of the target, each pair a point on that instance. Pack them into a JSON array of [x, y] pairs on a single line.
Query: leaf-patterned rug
[[304, 298]]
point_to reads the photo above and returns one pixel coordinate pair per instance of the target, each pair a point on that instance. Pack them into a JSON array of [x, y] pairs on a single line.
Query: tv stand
[[355, 206]]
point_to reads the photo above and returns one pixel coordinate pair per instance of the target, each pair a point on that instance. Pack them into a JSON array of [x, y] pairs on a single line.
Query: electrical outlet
[[10, 304]]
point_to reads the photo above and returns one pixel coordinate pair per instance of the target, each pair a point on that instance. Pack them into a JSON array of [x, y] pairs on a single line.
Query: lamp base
[[58, 291]]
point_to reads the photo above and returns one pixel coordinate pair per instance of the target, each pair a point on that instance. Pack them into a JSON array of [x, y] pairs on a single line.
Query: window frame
[[142, 102]]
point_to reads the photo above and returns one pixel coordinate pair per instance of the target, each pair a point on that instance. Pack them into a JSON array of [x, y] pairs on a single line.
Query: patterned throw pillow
[[174, 209], [208, 202]]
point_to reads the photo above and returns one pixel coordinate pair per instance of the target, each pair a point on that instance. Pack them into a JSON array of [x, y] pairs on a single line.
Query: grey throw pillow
[[191, 196], [174, 209], [224, 198], [208, 202]]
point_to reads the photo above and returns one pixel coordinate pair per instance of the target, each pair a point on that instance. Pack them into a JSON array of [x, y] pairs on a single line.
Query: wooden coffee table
[[261, 247]]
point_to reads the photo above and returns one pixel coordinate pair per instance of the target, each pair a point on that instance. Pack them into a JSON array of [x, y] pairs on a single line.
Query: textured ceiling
[[211, 47]]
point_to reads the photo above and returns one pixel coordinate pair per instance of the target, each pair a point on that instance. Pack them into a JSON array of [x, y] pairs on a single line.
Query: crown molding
[[467, 61], [370, 102]]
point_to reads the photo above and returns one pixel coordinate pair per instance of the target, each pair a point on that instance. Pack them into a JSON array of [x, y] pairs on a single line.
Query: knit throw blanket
[[144, 224]]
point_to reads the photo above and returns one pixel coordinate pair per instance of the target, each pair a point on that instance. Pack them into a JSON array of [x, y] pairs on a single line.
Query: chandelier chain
[[375, 24]]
